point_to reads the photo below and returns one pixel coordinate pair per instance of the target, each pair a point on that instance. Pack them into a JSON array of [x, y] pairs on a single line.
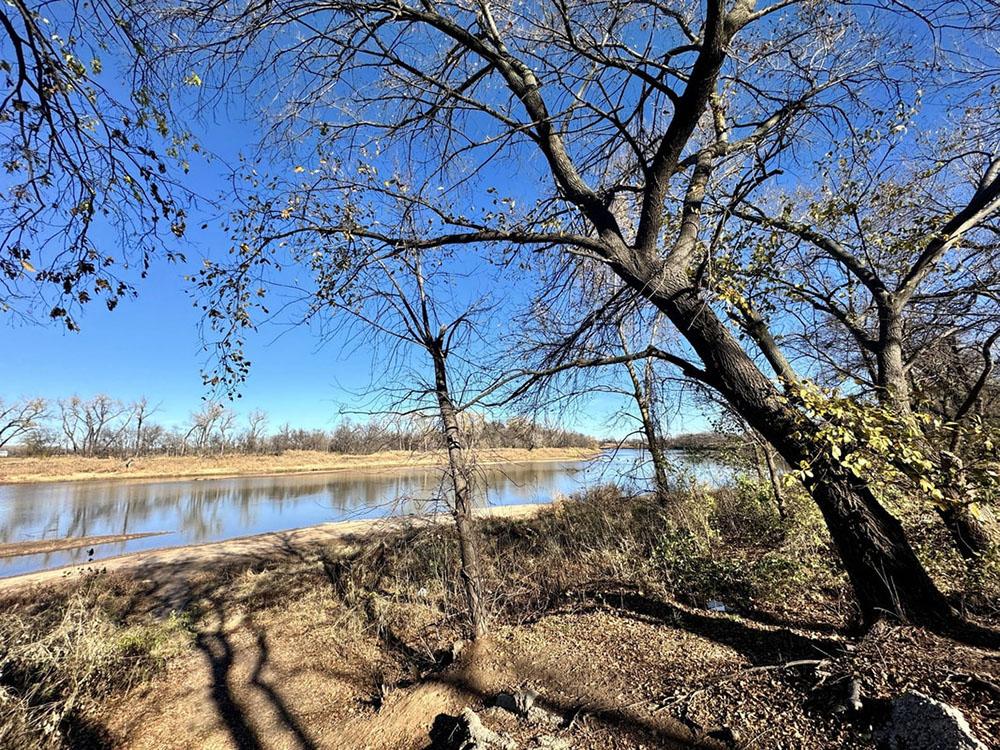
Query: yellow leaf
[[27, 266], [299, 169]]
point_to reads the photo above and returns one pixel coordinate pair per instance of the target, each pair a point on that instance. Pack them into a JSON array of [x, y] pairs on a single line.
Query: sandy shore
[[16, 549], [74, 468], [172, 564]]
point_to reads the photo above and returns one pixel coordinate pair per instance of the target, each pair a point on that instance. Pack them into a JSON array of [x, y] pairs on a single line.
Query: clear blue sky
[[151, 346]]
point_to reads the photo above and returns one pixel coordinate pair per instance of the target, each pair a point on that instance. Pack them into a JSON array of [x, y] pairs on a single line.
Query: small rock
[[918, 722], [519, 703], [539, 715], [525, 700], [725, 734]]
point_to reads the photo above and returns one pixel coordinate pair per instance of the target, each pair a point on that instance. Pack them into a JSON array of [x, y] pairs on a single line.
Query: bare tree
[[71, 421], [203, 424], [94, 427], [141, 412], [224, 426], [645, 399], [19, 418], [253, 437], [395, 299]]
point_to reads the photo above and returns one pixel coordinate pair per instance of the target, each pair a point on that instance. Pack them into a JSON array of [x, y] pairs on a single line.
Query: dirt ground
[[75, 468], [662, 677], [275, 662]]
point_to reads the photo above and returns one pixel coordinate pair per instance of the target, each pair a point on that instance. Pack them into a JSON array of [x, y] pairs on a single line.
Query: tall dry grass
[[62, 654]]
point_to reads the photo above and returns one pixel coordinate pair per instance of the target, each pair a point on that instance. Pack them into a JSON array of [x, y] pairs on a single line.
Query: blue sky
[[151, 346]]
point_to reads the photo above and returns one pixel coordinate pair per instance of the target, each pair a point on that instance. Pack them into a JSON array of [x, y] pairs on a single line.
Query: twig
[[737, 675]]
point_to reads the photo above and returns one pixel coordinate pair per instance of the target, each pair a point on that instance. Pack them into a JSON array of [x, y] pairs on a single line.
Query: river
[[210, 510]]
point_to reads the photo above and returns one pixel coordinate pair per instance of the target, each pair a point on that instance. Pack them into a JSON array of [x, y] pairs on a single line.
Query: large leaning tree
[[536, 127], [88, 195]]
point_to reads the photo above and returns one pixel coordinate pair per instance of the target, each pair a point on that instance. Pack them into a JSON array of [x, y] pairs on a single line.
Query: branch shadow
[[179, 587], [761, 646], [276, 700], [221, 656]]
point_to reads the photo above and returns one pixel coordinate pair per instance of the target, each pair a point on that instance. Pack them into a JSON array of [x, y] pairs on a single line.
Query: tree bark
[[885, 573], [458, 468], [772, 473], [973, 537], [893, 386]]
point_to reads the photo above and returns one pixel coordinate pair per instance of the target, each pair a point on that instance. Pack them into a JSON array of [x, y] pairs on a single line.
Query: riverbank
[[41, 546], [622, 632], [169, 567], [18, 470]]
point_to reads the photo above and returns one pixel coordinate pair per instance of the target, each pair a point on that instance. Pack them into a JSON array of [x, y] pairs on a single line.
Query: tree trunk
[[885, 573], [973, 537], [458, 468], [772, 472], [894, 389], [887, 577], [643, 398]]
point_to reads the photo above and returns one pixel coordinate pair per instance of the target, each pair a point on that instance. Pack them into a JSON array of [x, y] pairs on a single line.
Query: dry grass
[[60, 659], [74, 468]]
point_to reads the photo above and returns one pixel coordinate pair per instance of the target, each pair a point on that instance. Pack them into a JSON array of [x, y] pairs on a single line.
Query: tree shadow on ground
[[760, 645], [218, 649], [797, 623], [183, 586]]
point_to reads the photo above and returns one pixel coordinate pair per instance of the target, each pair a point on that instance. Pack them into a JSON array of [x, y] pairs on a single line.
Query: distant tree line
[[102, 426], [699, 441], [688, 441]]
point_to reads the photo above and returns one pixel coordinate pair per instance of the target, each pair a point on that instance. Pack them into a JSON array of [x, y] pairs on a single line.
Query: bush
[[59, 660], [690, 547], [747, 513], [695, 575]]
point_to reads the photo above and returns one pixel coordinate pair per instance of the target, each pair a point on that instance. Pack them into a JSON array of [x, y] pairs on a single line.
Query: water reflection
[[197, 511]]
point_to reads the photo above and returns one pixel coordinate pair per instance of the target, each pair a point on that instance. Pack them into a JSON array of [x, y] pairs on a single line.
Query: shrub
[[58, 660]]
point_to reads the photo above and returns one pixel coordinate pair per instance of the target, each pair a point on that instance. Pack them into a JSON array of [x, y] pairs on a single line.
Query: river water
[[209, 510]]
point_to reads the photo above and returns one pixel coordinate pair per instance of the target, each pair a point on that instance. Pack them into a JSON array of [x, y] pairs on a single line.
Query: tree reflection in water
[[206, 510]]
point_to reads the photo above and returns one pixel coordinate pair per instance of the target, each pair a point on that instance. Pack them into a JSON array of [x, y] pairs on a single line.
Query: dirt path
[[74, 468]]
